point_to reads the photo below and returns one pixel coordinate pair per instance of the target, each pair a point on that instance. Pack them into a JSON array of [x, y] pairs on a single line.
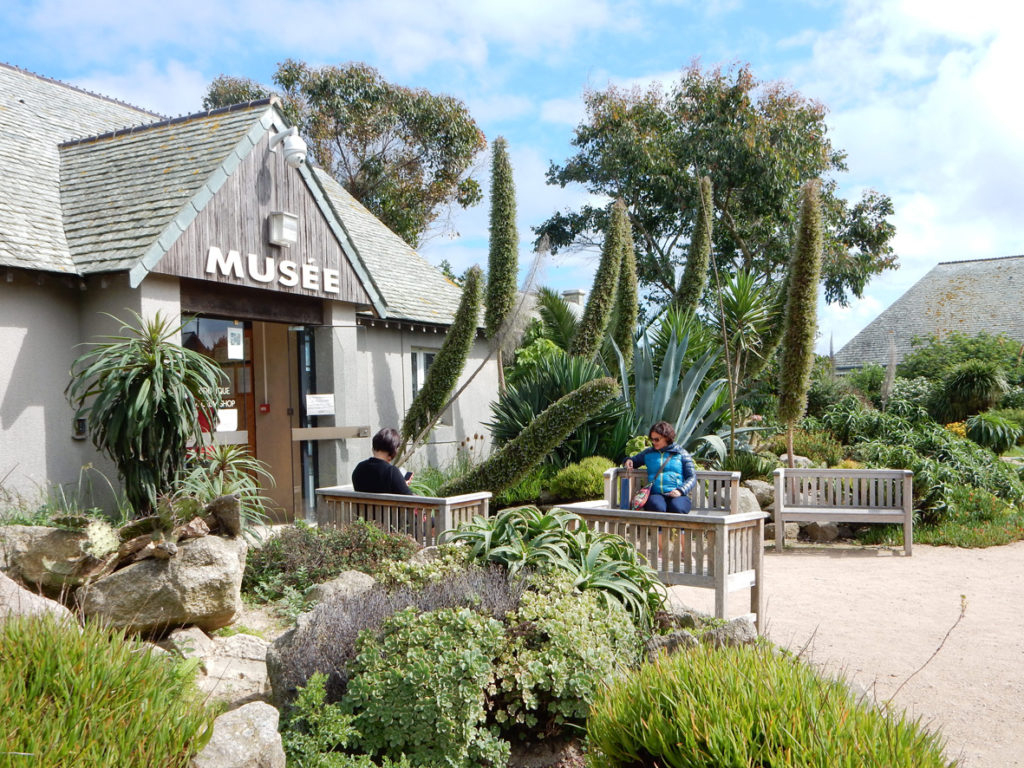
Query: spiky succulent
[[102, 539]]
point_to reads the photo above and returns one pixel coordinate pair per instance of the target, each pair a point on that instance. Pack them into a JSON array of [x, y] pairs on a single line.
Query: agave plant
[[219, 470], [525, 537], [993, 431], [673, 395]]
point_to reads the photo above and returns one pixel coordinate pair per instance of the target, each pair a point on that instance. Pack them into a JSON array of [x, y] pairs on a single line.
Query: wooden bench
[[714, 546], [844, 496], [425, 518]]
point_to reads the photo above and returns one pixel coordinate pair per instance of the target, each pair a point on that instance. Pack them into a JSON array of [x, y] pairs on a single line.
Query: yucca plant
[[992, 431], [142, 394], [970, 387], [222, 469]]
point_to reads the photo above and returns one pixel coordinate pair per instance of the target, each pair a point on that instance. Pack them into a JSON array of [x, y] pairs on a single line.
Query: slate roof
[[36, 115], [120, 191], [411, 287], [967, 297]]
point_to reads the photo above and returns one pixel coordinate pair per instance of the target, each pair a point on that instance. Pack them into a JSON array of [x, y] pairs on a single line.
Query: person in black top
[[376, 474]]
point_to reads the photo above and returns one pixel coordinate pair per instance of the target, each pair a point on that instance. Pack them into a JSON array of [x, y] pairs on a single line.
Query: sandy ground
[[878, 616]]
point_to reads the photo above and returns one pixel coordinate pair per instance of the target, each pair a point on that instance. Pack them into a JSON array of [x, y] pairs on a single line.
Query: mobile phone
[[408, 476]]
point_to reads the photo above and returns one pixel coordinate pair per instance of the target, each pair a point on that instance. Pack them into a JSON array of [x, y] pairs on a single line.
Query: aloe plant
[[673, 396]]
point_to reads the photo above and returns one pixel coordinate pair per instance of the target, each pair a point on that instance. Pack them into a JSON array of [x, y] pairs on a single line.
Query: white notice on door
[[320, 405], [227, 419], [236, 348]]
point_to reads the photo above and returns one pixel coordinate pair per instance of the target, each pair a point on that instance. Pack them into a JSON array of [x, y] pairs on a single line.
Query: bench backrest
[[844, 488], [425, 518], [714, 492]]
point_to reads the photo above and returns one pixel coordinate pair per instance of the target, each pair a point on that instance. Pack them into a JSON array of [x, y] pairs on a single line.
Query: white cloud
[[171, 88], [568, 111]]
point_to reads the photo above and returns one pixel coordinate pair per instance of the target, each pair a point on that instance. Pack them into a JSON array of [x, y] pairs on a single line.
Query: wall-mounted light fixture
[[294, 147], [283, 228]]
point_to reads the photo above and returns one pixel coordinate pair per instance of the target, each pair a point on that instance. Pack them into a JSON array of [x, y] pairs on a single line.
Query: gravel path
[[878, 616]]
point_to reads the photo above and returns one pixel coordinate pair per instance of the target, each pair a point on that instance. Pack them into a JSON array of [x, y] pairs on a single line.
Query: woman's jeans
[[658, 502]]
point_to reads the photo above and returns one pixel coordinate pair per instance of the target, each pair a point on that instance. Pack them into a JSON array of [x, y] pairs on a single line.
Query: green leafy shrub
[[550, 379], [301, 556], [1013, 415], [1014, 397], [526, 538], [87, 697], [584, 480], [417, 688], [747, 707], [314, 732], [562, 647], [817, 445], [933, 358], [750, 465], [868, 381], [327, 641], [992, 431]]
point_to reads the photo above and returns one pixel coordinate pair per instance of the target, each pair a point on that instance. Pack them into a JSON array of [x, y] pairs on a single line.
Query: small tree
[[141, 395], [448, 365], [503, 255], [510, 463], [596, 314], [695, 274], [801, 319]]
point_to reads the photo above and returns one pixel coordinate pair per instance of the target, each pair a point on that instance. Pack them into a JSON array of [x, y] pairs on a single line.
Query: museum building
[[323, 319]]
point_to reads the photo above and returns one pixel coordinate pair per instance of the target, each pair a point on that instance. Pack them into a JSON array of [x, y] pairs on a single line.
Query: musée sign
[[266, 269]]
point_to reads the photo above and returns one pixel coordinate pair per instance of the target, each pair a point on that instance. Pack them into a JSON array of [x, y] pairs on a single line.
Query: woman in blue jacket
[[670, 471]]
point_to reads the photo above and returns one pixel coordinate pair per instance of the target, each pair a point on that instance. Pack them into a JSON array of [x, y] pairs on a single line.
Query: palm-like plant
[[557, 318], [142, 395], [219, 470]]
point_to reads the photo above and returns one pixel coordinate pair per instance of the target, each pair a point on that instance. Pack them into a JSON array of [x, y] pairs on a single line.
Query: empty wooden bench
[[844, 496], [714, 546], [425, 518]]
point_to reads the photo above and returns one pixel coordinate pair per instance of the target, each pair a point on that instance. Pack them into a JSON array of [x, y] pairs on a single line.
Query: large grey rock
[[201, 586], [821, 532], [739, 631], [746, 501], [235, 672], [680, 640], [792, 531], [280, 691], [799, 462], [246, 737], [15, 600], [189, 643], [347, 585], [39, 555], [763, 492]]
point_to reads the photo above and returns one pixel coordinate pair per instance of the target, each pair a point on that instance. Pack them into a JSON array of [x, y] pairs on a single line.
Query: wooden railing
[[425, 518]]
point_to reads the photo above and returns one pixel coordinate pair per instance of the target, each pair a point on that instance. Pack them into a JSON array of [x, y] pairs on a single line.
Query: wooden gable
[[228, 242]]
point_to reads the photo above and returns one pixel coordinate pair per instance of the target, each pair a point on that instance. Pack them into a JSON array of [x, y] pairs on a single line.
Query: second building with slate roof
[[323, 319], [965, 297]]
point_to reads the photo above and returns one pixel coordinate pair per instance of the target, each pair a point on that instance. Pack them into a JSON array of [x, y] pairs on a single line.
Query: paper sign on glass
[[236, 346], [320, 405]]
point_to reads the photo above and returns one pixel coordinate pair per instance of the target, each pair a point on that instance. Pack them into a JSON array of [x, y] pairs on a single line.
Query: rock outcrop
[[15, 600], [246, 737], [201, 585]]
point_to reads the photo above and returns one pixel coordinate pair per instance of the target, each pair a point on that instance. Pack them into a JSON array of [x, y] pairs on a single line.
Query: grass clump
[[301, 556], [747, 707], [88, 698]]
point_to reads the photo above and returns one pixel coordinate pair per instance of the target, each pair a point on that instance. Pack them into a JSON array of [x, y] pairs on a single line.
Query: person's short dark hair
[[664, 429], [387, 440]]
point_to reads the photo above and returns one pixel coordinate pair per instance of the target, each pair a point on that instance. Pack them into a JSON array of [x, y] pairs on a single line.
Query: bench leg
[[908, 536], [780, 532]]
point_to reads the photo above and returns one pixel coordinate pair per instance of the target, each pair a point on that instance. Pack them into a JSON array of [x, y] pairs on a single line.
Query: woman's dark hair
[[387, 440], [664, 429]]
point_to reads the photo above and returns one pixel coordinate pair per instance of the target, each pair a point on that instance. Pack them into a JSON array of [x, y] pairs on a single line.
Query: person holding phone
[[377, 474]]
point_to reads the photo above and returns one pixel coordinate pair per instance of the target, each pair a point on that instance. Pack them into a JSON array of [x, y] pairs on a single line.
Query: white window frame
[[422, 358]]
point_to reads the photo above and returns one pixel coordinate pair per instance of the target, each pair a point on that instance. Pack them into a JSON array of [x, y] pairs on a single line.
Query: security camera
[[294, 147]]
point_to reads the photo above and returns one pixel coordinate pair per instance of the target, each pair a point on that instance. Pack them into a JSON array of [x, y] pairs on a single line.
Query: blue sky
[[924, 95]]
